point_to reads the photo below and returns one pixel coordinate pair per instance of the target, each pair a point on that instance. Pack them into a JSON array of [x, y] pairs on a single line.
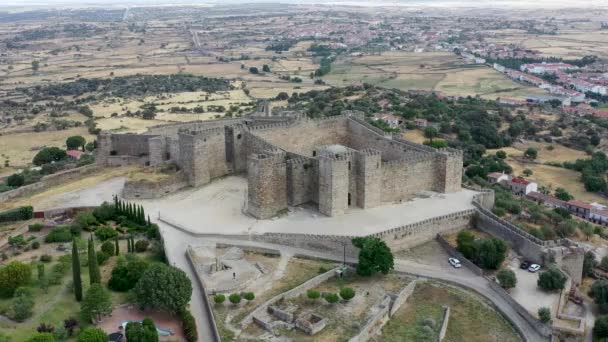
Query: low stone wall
[[254, 249], [402, 297], [540, 327], [375, 323], [522, 242], [69, 212], [456, 254], [48, 181], [417, 233], [205, 299], [444, 324], [150, 190], [296, 291]]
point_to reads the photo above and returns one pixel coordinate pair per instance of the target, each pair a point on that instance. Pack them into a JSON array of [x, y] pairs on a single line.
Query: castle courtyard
[[218, 207]]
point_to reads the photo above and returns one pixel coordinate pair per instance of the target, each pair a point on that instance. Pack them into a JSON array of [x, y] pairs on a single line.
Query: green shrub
[[600, 329], [249, 296], [105, 233], [46, 258], [17, 214], [551, 280], [312, 294], [189, 326], [92, 334], [126, 274], [507, 278], [42, 337], [544, 314], [35, 245], [234, 298], [219, 298], [108, 247], [347, 293], [59, 234], [102, 257], [36, 227], [141, 246], [332, 298]]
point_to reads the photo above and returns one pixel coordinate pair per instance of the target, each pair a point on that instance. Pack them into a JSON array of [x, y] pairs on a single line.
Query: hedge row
[[17, 214], [189, 326]]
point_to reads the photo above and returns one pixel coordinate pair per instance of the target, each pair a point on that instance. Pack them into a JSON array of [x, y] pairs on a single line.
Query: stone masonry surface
[[333, 164]]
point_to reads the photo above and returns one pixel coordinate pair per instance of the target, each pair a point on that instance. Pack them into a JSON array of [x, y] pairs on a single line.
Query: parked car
[[533, 268], [455, 262], [524, 265]]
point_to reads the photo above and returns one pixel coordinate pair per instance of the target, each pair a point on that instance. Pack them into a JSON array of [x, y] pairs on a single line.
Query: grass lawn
[[471, 318], [58, 303]]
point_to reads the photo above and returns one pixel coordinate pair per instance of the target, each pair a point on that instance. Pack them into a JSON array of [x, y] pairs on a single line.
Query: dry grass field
[[442, 71], [20, 148], [550, 176]]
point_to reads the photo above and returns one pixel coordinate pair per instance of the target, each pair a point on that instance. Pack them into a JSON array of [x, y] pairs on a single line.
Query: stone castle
[[334, 163]]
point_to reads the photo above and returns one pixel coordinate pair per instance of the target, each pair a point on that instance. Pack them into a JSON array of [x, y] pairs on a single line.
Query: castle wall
[[192, 159], [302, 178], [362, 136], [130, 144], [368, 179], [414, 234], [173, 129], [449, 171], [402, 179], [333, 185], [266, 185], [305, 136]]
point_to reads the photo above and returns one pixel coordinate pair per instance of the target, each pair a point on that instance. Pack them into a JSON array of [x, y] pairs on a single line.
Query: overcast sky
[[440, 3]]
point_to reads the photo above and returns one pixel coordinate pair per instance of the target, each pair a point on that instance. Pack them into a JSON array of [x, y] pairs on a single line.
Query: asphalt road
[[177, 241]]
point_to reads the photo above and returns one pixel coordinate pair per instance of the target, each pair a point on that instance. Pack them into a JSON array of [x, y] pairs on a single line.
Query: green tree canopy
[[163, 287], [507, 278], [599, 293], [92, 334], [374, 256], [48, 155], [12, 276], [75, 142], [96, 303], [551, 280]]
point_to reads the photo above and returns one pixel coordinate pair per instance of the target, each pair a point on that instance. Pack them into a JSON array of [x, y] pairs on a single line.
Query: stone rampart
[[444, 323], [402, 297], [413, 234], [205, 297], [376, 322], [49, 181], [145, 189]]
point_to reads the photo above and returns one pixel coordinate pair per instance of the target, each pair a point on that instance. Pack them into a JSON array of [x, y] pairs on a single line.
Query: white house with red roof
[[520, 186]]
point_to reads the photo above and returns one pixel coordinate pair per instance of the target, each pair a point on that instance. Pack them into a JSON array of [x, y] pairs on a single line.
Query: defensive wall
[[48, 181], [336, 162]]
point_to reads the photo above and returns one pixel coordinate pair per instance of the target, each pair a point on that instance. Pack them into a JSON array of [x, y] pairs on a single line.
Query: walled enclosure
[[334, 163]]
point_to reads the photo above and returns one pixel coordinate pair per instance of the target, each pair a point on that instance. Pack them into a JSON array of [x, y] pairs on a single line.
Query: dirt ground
[[162, 320]]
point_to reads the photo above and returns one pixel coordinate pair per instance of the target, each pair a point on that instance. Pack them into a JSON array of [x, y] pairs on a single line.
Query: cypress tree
[[116, 202], [116, 247], [142, 215], [76, 272], [149, 223], [94, 275], [130, 211], [128, 245]]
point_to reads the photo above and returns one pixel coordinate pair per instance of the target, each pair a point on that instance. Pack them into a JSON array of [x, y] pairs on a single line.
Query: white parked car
[[534, 268], [455, 262]]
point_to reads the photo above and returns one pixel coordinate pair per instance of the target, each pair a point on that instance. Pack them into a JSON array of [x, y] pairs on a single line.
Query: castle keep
[[334, 163]]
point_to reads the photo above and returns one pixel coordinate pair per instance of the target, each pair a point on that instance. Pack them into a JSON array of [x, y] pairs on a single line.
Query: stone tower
[[266, 184], [104, 148], [192, 158], [333, 185], [449, 162], [369, 178]]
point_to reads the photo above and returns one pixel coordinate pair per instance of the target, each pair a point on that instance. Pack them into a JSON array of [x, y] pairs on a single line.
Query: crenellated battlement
[[269, 126], [369, 152]]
